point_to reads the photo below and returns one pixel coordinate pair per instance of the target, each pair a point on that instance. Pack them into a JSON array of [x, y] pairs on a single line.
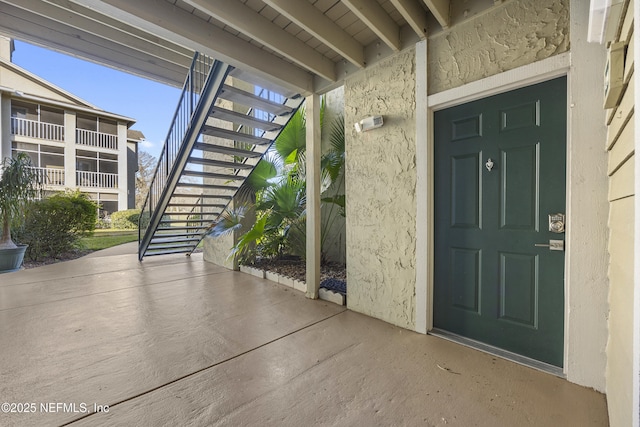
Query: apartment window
[[108, 126], [48, 160], [42, 155], [108, 203], [51, 115], [271, 96], [87, 123], [24, 110], [94, 161], [97, 124]]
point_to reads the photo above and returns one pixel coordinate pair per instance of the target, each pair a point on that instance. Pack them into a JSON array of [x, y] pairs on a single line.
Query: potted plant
[[19, 183]]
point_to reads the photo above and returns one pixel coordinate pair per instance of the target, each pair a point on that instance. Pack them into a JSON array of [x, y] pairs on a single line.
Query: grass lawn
[[103, 239]]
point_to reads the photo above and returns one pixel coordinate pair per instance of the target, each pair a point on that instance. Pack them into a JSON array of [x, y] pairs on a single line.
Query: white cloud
[[145, 143]]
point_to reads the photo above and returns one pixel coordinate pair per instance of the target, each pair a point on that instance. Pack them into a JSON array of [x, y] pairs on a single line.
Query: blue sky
[[150, 103]]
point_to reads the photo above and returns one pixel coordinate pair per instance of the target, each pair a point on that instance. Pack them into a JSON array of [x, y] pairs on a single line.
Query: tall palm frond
[[230, 220], [292, 140], [259, 179]]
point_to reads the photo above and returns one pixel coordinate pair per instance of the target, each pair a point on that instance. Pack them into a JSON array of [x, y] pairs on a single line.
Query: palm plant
[[277, 189], [19, 183]]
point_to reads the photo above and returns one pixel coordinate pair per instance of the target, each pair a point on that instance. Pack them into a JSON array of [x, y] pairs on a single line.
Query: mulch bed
[[333, 275]]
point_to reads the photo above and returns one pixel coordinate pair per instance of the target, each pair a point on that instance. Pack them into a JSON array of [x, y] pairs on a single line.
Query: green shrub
[[127, 220], [53, 226]]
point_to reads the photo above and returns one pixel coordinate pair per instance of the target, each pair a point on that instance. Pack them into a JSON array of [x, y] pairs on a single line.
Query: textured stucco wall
[[513, 34], [381, 186]]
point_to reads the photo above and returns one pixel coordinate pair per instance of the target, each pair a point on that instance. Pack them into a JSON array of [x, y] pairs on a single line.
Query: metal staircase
[[225, 122]]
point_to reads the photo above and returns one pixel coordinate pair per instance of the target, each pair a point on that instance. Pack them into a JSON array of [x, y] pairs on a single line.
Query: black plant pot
[[11, 259]]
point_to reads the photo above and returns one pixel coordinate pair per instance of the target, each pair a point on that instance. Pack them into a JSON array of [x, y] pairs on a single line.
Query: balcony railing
[[96, 139], [36, 129], [50, 176], [96, 179]]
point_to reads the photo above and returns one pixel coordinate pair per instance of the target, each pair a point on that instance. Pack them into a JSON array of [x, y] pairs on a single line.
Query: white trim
[[423, 234], [537, 72]]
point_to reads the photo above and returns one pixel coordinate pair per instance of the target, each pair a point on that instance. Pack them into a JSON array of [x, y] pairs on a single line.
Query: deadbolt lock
[[556, 223]]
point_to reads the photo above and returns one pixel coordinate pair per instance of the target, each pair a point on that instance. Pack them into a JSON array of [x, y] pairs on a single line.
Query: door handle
[[553, 245]]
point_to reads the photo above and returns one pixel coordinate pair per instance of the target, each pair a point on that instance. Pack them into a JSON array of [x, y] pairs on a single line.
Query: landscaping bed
[[333, 276]]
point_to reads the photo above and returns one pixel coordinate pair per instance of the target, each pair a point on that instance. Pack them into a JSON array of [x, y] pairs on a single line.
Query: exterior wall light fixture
[[369, 123]]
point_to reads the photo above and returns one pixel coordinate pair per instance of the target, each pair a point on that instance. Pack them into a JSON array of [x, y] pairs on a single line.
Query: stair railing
[[194, 82]]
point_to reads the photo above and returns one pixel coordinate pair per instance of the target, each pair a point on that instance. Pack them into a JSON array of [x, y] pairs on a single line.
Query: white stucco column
[[587, 262], [424, 319], [70, 149], [5, 126], [122, 166], [312, 106]]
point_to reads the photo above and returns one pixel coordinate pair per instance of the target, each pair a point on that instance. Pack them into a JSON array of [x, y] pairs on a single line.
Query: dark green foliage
[[53, 226], [127, 220]]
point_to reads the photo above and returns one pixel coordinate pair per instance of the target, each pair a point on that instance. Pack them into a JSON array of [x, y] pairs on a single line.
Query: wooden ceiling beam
[[250, 23], [440, 9], [312, 20], [378, 20], [414, 14], [170, 22]]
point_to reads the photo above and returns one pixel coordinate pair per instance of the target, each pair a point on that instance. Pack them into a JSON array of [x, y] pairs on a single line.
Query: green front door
[[499, 174]]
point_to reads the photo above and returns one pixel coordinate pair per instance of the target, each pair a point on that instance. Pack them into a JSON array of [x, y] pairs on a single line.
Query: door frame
[[538, 72]]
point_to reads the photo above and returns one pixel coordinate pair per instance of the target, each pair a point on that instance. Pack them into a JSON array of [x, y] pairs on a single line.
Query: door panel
[[466, 190], [492, 284], [519, 208]]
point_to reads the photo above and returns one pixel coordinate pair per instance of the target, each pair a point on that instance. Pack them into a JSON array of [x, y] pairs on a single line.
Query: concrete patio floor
[[178, 341]]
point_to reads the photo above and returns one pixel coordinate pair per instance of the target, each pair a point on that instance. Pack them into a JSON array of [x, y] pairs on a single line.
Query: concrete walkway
[[177, 341]]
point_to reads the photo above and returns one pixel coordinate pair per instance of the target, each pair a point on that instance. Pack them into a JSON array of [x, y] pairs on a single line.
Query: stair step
[[174, 214], [177, 245], [207, 186], [243, 119], [201, 196], [219, 163], [182, 221], [177, 235], [156, 240], [213, 175], [233, 94], [200, 205], [183, 227], [227, 150], [234, 136], [168, 252]]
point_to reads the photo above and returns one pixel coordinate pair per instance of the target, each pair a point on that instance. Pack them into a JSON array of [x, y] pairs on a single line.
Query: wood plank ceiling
[[306, 45]]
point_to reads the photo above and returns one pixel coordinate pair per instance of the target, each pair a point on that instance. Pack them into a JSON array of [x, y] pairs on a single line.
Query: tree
[[146, 167]]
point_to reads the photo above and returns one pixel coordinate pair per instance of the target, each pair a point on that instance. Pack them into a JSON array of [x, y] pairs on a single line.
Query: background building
[[72, 143]]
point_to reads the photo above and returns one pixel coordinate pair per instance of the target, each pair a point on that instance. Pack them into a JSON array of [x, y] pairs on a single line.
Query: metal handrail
[[194, 82]]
